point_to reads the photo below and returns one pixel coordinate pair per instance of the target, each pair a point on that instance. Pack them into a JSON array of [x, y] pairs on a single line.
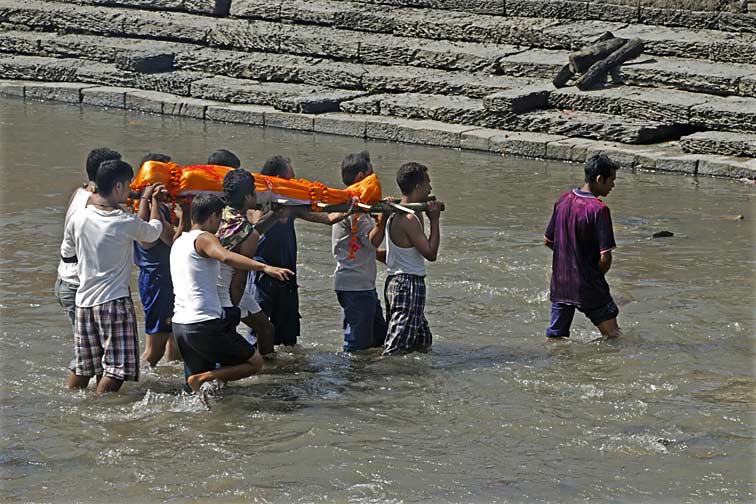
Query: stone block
[[51, 16], [38, 68], [317, 101], [547, 8], [569, 149], [214, 7], [531, 145], [518, 100], [478, 139], [449, 109], [731, 113], [736, 22], [318, 12], [686, 163], [12, 88], [720, 166], [245, 35], [679, 17], [178, 82], [186, 107], [105, 74], [321, 41], [721, 143], [366, 105], [105, 96], [287, 120], [244, 114], [170, 26], [337, 123], [145, 101], [747, 86], [257, 9], [614, 10], [415, 132], [366, 18], [69, 92], [145, 63], [626, 156], [700, 76]]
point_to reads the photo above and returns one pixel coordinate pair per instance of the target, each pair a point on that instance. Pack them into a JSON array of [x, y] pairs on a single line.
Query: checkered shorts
[[106, 340], [408, 329]]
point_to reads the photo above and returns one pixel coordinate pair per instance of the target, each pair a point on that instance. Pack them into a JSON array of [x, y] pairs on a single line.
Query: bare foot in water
[[196, 381]]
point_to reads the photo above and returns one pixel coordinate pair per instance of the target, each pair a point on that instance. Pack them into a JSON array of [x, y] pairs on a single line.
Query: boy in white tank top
[[204, 336], [407, 248]]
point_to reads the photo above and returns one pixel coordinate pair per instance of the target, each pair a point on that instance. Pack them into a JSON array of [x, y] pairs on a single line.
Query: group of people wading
[[227, 262]]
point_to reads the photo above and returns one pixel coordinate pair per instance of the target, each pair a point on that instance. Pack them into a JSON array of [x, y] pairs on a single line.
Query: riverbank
[[666, 157]]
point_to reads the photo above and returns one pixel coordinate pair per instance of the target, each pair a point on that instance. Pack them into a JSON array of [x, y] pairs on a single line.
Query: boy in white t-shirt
[[99, 239], [67, 281]]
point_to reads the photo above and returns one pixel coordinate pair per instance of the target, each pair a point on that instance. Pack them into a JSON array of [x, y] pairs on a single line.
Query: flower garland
[[354, 244]]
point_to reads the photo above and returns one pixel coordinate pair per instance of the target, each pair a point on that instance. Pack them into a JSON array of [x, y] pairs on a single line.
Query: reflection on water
[[493, 413]]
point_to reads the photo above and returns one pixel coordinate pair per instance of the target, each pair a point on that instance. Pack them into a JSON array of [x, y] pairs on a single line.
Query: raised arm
[[330, 218], [427, 246], [208, 245]]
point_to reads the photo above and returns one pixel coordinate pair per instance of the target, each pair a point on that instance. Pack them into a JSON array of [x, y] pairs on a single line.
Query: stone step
[[209, 7], [260, 66], [597, 126], [283, 96], [718, 142], [700, 76], [411, 25], [732, 113]]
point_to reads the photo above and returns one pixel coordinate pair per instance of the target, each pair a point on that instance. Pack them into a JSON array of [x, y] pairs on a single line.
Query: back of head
[[599, 164], [110, 173], [277, 166], [237, 185], [410, 175], [353, 164], [204, 206], [223, 157], [161, 158], [96, 157]]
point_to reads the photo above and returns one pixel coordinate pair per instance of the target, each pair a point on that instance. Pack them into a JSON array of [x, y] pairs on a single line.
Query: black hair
[[96, 157], [223, 157], [161, 158], [204, 205], [410, 175], [599, 164], [276, 166], [110, 173], [237, 185], [353, 164]]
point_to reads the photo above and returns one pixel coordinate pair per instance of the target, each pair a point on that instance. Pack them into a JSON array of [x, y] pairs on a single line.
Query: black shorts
[[205, 344]]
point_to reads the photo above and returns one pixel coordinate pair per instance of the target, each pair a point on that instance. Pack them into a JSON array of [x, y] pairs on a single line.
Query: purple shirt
[[580, 231]]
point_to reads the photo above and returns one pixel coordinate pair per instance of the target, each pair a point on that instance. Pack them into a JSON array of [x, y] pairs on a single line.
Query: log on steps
[[597, 72]]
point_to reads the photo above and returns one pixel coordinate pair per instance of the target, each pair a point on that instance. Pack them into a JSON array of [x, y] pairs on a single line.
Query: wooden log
[[597, 72], [562, 77], [587, 56]]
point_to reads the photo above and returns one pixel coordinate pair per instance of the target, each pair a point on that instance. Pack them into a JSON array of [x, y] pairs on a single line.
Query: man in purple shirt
[[580, 234]]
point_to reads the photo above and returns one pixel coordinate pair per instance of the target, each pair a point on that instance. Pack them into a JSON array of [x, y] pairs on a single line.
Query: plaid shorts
[[408, 329], [106, 340]]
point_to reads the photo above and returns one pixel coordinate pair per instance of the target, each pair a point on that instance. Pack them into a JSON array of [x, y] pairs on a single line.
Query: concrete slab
[[289, 120], [186, 107], [532, 145], [244, 114], [105, 96], [478, 139], [69, 92], [732, 167], [12, 88], [338, 123], [415, 132]]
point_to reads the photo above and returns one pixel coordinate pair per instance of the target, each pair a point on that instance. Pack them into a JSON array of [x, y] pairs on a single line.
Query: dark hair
[[204, 205], [110, 173], [276, 166], [237, 185], [223, 157], [410, 175], [161, 158], [96, 157], [599, 164], [353, 164]]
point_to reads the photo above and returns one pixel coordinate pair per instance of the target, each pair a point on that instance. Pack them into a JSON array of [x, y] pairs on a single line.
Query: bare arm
[[605, 262], [184, 222], [263, 222], [547, 243], [208, 245], [427, 246], [326, 218], [378, 231]]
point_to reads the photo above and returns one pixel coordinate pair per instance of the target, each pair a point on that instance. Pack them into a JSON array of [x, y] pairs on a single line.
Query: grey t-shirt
[[356, 274]]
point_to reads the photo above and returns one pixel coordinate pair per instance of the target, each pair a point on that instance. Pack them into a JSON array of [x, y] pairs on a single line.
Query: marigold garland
[[354, 244]]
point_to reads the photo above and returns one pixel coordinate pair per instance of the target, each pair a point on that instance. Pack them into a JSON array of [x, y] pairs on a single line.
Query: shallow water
[[493, 413]]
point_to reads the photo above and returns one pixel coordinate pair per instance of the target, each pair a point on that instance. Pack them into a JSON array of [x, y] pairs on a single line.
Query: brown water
[[493, 413]]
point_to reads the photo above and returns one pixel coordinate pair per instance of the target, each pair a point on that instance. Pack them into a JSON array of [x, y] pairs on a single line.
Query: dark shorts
[[156, 293], [363, 322], [106, 340], [205, 344], [562, 315], [280, 302]]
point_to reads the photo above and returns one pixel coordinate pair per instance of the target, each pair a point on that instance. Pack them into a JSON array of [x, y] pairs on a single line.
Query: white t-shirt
[[194, 282], [102, 241], [356, 274], [68, 272]]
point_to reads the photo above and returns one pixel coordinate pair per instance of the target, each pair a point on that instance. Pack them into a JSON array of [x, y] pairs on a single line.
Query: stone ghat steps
[[726, 144], [732, 113], [159, 56], [340, 12], [701, 76], [398, 44], [463, 110], [283, 96]]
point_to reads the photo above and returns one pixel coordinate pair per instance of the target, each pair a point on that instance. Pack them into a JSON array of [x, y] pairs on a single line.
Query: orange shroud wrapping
[[190, 180]]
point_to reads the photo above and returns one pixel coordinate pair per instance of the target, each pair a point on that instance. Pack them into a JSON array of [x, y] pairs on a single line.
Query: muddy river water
[[492, 414]]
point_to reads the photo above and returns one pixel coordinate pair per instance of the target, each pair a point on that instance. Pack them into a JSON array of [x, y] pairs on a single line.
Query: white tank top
[[405, 260], [194, 282], [247, 304]]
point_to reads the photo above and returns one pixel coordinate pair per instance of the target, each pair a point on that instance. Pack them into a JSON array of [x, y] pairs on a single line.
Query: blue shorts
[[562, 315], [362, 318], [156, 292]]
